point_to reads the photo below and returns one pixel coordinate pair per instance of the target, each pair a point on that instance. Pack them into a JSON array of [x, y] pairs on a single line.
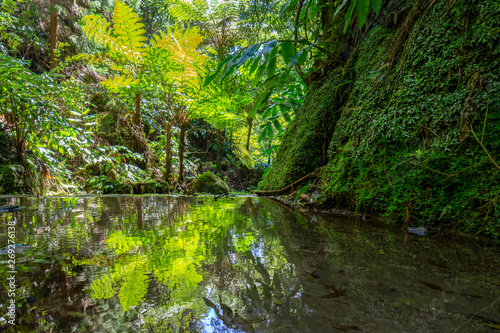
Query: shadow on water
[[189, 264]]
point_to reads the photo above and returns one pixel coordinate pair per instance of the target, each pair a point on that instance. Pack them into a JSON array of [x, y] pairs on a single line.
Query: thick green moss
[[118, 185], [307, 138], [207, 182]]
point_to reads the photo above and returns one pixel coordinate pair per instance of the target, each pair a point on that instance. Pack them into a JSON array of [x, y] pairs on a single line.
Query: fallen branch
[[286, 188]]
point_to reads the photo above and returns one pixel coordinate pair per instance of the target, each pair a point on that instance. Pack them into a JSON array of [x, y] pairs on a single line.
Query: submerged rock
[[421, 231], [9, 208], [18, 248], [207, 182]]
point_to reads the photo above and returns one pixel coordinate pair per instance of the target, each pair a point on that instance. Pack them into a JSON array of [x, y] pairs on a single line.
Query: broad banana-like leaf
[[287, 51]]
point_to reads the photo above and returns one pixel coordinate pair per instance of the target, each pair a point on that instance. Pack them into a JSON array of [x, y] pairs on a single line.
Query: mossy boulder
[[207, 182], [120, 185]]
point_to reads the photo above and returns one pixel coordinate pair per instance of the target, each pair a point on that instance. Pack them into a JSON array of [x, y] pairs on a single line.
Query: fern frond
[[103, 287], [97, 58], [134, 285], [186, 11], [118, 82], [226, 21], [128, 31], [97, 28], [184, 58], [227, 9]]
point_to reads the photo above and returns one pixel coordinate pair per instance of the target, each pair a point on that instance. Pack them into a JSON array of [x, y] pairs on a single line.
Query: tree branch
[[484, 148]]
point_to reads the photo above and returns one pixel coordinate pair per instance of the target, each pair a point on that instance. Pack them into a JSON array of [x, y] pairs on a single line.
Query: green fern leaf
[[103, 287], [118, 82], [184, 11], [128, 31], [98, 29], [134, 286]]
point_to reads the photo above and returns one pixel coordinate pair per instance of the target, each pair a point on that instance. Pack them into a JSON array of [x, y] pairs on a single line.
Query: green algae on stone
[[207, 182]]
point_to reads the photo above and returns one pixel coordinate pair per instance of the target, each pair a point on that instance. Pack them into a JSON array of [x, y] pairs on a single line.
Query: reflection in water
[[187, 264]]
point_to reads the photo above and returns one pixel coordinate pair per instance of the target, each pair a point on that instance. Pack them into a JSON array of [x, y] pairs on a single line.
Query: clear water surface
[[189, 264]]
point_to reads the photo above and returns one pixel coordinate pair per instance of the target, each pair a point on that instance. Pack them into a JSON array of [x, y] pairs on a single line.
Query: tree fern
[[182, 46]]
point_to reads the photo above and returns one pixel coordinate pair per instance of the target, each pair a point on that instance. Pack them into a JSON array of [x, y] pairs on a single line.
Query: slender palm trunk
[[168, 153], [219, 147], [182, 146], [250, 123], [53, 35]]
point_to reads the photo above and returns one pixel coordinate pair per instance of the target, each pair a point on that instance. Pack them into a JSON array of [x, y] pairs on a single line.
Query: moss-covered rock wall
[[421, 125], [304, 146]]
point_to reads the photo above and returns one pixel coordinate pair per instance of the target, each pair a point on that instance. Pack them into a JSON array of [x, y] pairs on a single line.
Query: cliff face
[[304, 146], [413, 117]]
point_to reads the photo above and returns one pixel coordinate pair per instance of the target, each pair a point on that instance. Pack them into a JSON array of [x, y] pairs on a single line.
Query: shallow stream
[[242, 264]]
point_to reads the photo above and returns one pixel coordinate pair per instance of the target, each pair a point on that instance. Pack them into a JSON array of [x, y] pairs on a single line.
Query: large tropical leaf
[[362, 10], [287, 51]]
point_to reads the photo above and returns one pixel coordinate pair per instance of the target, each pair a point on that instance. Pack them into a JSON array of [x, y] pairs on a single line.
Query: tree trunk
[[250, 123], [219, 147], [53, 35], [21, 133], [168, 153], [137, 114], [327, 12], [182, 146]]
